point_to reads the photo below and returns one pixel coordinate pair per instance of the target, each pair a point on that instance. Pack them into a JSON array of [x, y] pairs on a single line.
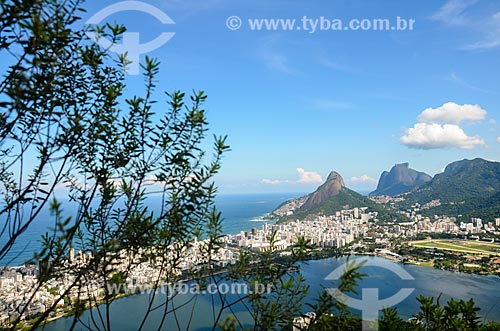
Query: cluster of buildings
[[324, 231], [20, 294], [449, 225], [477, 226], [16, 286]]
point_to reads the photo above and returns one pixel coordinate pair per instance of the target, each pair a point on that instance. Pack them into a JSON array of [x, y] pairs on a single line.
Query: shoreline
[[320, 253], [145, 288]]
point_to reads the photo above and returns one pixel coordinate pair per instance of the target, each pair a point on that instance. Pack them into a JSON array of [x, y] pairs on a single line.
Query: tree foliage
[[66, 125]]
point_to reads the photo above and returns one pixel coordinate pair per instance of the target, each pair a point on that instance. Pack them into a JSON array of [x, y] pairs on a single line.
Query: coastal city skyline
[[296, 97]]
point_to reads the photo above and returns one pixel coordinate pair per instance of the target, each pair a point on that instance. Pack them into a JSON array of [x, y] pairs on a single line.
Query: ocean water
[[246, 211], [239, 212]]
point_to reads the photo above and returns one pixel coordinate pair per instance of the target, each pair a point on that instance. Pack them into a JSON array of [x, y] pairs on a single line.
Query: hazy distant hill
[[400, 179]]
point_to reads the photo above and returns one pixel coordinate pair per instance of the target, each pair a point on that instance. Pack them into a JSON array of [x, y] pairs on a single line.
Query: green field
[[463, 246]]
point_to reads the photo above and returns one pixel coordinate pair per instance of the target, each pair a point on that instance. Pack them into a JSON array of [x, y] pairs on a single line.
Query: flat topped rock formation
[[400, 179]]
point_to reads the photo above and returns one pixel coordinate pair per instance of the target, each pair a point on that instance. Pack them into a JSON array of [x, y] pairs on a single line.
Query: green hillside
[[348, 199], [467, 187]]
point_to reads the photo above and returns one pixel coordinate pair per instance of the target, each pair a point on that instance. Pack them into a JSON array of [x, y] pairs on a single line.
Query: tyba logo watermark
[[131, 40], [370, 303]]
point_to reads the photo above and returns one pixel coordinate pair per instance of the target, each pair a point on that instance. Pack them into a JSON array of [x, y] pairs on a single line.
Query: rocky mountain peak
[[401, 179], [335, 177], [331, 187]]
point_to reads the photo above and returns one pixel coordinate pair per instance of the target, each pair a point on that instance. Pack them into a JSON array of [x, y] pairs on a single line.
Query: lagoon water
[[127, 313], [485, 290]]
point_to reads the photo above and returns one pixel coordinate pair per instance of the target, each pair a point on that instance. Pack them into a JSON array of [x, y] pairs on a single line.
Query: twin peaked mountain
[[330, 197], [470, 188]]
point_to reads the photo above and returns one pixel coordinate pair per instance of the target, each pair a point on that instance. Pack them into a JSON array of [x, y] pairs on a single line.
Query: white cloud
[[305, 177], [453, 12], [492, 121], [454, 77], [269, 52], [491, 42], [491, 28], [498, 140], [309, 177], [363, 179], [337, 66], [439, 127], [433, 136], [276, 61], [453, 113], [273, 181]]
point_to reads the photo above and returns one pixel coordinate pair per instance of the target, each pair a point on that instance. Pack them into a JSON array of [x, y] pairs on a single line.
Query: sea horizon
[[240, 212]]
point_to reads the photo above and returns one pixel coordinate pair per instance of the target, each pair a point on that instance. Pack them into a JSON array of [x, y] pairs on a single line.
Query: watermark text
[[320, 24]]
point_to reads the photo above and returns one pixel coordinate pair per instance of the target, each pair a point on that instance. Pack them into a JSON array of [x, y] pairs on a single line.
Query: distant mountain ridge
[[400, 179], [466, 188], [462, 180], [330, 197]]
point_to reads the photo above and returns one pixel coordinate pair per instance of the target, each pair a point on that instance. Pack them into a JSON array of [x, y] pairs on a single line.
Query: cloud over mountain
[[305, 177], [363, 179], [309, 177], [433, 136]]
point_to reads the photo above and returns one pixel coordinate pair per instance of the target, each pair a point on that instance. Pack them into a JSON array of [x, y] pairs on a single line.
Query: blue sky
[[296, 105]]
